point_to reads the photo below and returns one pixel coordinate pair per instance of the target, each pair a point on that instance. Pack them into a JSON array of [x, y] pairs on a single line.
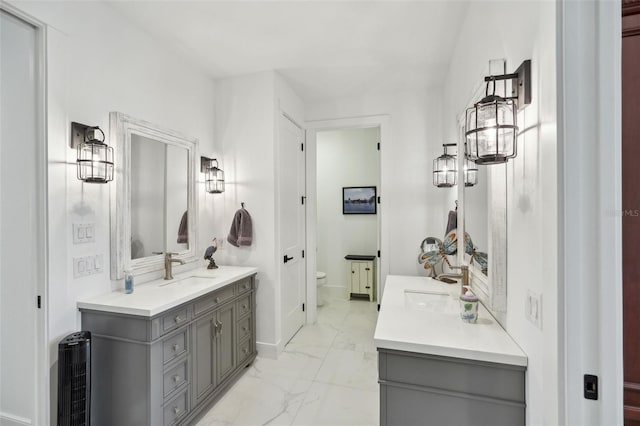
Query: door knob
[[287, 258]]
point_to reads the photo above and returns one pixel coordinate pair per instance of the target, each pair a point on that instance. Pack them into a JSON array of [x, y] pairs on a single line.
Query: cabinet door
[[226, 341], [355, 277], [204, 331], [366, 275]]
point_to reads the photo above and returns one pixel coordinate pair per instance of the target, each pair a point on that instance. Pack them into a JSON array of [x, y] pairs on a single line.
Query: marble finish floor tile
[[326, 375]]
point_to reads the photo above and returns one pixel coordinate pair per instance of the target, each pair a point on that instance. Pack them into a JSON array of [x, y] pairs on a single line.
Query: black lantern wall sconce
[[95, 158], [445, 168], [214, 176], [491, 127]]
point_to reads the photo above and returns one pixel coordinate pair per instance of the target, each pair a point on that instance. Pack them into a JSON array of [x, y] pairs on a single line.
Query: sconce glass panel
[[491, 131], [95, 161], [214, 179], [470, 173], [445, 170]]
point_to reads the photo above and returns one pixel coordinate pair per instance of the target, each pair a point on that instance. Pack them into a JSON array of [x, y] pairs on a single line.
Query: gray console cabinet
[[168, 369], [420, 389]]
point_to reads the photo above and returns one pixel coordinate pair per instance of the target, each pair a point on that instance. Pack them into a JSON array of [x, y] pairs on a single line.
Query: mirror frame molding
[[491, 289], [121, 126]]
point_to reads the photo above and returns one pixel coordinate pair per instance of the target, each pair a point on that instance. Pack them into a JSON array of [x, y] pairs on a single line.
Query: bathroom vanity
[[435, 369], [163, 354]]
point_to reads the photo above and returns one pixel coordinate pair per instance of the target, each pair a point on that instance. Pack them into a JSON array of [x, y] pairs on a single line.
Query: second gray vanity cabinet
[[436, 390]]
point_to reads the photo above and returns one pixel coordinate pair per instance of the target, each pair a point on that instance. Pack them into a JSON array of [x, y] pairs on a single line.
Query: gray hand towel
[[183, 229], [241, 232], [452, 223]]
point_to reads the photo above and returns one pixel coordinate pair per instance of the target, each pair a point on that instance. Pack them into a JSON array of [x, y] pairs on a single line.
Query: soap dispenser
[[469, 306]]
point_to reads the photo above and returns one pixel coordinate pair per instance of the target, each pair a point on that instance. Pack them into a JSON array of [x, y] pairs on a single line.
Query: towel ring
[[242, 204]]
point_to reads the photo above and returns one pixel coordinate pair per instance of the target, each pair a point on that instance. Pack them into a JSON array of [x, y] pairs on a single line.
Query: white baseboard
[[267, 350], [7, 419]]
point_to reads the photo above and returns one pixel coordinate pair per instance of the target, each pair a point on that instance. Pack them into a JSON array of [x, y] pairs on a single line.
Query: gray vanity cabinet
[[169, 368], [420, 389]]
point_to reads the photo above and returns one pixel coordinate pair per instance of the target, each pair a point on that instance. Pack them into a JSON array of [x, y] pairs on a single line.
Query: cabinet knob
[[367, 287], [176, 378], [178, 319], [244, 307], [245, 350], [176, 410], [353, 272], [244, 329], [367, 269], [176, 347], [217, 300]]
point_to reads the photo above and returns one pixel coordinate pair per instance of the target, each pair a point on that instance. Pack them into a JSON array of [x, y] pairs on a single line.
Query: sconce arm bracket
[[520, 83]]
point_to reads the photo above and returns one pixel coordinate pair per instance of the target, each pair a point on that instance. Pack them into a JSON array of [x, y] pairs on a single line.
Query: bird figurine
[[208, 254]]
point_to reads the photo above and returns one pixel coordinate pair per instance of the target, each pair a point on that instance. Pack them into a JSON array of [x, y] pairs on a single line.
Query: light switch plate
[[84, 233], [533, 308], [87, 265]]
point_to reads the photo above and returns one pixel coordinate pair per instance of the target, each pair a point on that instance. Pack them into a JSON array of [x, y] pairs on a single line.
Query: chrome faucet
[[168, 263], [463, 275]]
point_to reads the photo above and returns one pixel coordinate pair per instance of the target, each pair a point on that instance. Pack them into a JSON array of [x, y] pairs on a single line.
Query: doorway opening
[[345, 225]]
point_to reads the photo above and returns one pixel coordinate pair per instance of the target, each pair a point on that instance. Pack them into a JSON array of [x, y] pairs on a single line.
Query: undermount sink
[[185, 281], [433, 301]]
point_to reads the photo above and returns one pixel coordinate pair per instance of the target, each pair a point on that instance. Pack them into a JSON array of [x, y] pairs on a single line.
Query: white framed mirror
[[153, 202], [484, 217]]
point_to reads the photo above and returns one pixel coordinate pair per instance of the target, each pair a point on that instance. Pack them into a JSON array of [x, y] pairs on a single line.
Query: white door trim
[[42, 315], [313, 127], [590, 216]]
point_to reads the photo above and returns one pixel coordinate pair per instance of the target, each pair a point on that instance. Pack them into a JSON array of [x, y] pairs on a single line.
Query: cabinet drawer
[[245, 349], [244, 306], [220, 296], [174, 378], [175, 409], [174, 319], [174, 346], [244, 285], [244, 328]]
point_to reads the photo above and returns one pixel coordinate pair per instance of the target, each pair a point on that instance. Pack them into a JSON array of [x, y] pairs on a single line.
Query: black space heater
[[74, 380]]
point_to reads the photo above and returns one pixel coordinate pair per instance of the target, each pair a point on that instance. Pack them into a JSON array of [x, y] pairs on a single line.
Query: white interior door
[[292, 228], [21, 239]]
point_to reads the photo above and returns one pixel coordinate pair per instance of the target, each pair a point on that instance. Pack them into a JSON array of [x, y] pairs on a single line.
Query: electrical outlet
[[533, 308]]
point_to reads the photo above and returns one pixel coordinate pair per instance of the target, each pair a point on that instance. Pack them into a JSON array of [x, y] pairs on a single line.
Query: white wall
[[344, 158], [97, 63], [532, 220], [412, 207], [246, 134]]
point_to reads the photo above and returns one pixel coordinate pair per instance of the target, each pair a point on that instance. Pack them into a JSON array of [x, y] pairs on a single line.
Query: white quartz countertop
[[155, 297], [411, 319]]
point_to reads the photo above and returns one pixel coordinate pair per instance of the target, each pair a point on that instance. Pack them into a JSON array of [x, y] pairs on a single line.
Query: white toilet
[[321, 280]]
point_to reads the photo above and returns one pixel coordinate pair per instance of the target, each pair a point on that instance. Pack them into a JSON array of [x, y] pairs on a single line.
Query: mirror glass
[[153, 207], [476, 219], [158, 203]]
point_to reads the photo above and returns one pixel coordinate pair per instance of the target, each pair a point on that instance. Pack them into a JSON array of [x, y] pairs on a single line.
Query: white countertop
[[154, 297], [435, 327]]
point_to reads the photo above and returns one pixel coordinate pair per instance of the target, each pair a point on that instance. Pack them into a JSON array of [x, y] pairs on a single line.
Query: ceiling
[[324, 49]]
